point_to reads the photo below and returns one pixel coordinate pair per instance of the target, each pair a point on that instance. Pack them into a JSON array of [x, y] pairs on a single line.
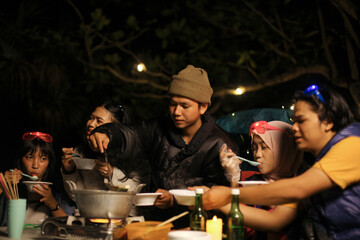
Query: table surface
[[28, 234]]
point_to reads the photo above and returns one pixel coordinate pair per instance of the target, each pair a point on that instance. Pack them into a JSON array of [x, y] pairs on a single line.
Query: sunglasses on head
[[261, 127], [314, 90], [32, 135]]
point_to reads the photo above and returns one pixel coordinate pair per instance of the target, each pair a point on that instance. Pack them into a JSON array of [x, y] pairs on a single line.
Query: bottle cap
[[199, 191], [235, 191]]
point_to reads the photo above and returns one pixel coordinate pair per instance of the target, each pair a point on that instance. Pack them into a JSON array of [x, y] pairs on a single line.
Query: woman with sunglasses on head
[[125, 174], [323, 126], [274, 147], [36, 158]]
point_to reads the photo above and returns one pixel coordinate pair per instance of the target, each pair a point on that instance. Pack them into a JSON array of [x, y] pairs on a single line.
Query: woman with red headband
[[323, 126], [36, 158], [274, 147]]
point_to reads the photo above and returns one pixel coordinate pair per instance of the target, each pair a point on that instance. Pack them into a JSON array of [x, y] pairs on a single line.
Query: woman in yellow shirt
[[323, 126]]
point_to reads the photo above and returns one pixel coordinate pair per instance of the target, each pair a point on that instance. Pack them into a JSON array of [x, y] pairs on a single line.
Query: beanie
[[191, 83]]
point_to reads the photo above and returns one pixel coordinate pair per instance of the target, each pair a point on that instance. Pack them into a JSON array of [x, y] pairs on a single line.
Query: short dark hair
[[334, 109], [46, 148]]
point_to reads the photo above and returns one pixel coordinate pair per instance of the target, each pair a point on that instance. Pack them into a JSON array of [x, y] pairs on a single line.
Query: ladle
[[108, 167]]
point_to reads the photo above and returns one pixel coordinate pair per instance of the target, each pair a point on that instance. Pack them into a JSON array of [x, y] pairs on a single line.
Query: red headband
[[262, 126], [32, 135]]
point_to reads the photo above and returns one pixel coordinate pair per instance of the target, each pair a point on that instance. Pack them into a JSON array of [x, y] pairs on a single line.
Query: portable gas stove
[[82, 228]]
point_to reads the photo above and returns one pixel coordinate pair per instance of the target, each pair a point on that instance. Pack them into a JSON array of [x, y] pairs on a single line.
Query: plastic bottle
[[198, 216], [235, 219]]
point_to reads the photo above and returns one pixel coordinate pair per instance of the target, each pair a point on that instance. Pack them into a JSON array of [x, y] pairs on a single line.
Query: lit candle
[[214, 228]]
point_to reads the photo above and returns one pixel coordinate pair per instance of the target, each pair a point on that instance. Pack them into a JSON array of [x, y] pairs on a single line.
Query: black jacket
[[174, 164]]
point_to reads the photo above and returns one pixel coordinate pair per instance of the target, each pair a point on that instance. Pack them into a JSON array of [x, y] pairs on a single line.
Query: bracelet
[[56, 208]]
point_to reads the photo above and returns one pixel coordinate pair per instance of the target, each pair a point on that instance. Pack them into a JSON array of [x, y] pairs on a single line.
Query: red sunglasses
[[32, 135], [262, 126]]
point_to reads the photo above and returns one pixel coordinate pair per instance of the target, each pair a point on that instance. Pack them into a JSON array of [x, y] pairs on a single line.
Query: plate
[[146, 199], [252, 183], [185, 235], [184, 197], [30, 184], [84, 163]]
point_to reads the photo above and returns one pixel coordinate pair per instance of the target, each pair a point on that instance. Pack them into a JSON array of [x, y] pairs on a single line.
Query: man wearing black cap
[[182, 148]]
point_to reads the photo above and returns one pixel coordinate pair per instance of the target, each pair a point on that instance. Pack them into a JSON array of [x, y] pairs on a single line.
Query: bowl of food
[[252, 183], [30, 184], [184, 197], [84, 163], [118, 188], [146, 199]]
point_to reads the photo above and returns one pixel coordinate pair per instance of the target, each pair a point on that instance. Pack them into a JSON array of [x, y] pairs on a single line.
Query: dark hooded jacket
[[173, 164]]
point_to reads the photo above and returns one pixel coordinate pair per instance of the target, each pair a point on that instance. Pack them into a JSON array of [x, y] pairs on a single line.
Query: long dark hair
[[120, 115], [118, 111], [334, 109]]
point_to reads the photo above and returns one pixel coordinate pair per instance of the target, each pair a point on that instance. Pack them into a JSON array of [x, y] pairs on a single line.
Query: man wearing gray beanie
[[182, 148]]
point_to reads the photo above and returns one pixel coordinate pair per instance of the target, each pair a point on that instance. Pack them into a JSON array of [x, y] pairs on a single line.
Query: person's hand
[[13, 177], [230, 164], [68, 163], [165, 200], [98, 142], [101, 168], [45, 191], [216, 197], [48, 199]]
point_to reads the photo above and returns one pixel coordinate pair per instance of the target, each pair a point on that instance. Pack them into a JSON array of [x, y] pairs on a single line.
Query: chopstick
[[3, 184], [10, 187], [172, 219]]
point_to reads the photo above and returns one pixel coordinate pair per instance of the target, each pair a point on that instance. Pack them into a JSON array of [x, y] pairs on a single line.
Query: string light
[[141, 67], [239, 91]]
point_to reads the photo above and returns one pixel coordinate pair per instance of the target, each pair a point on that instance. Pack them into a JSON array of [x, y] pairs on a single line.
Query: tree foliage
[[58, 57]]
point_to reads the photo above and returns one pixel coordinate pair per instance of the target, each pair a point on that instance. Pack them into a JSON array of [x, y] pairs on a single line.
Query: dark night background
[[59, 57]]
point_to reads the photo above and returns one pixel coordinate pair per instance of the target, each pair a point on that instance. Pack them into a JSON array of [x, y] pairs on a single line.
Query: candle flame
[[214, 218]]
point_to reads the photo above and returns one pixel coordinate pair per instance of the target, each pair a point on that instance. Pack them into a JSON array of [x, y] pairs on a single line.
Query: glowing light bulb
[[141, 67], [239, 91]]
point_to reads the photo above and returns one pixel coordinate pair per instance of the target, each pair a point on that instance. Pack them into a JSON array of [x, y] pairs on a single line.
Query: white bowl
[[252, 183], [184, 197], [30, 184], [193, 235], [146, 199], [84, 163]]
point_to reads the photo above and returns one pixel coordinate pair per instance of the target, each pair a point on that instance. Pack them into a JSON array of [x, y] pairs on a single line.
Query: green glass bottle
[[198, 216], [235, 219]]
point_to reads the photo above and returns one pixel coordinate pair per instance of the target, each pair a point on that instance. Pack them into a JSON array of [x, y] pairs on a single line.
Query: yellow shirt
[[342, 162]]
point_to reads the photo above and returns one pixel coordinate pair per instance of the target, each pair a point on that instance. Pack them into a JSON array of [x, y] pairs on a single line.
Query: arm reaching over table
[[99, 141]]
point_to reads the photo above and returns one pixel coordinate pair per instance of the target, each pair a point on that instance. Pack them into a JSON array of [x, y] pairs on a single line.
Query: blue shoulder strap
[[351, 130]]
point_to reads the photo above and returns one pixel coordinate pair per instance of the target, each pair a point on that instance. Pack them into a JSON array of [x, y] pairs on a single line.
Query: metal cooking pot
[[104, 203]]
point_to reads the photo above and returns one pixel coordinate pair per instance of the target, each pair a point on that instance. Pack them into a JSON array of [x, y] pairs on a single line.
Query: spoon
[[255, 164], [34, 178]]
